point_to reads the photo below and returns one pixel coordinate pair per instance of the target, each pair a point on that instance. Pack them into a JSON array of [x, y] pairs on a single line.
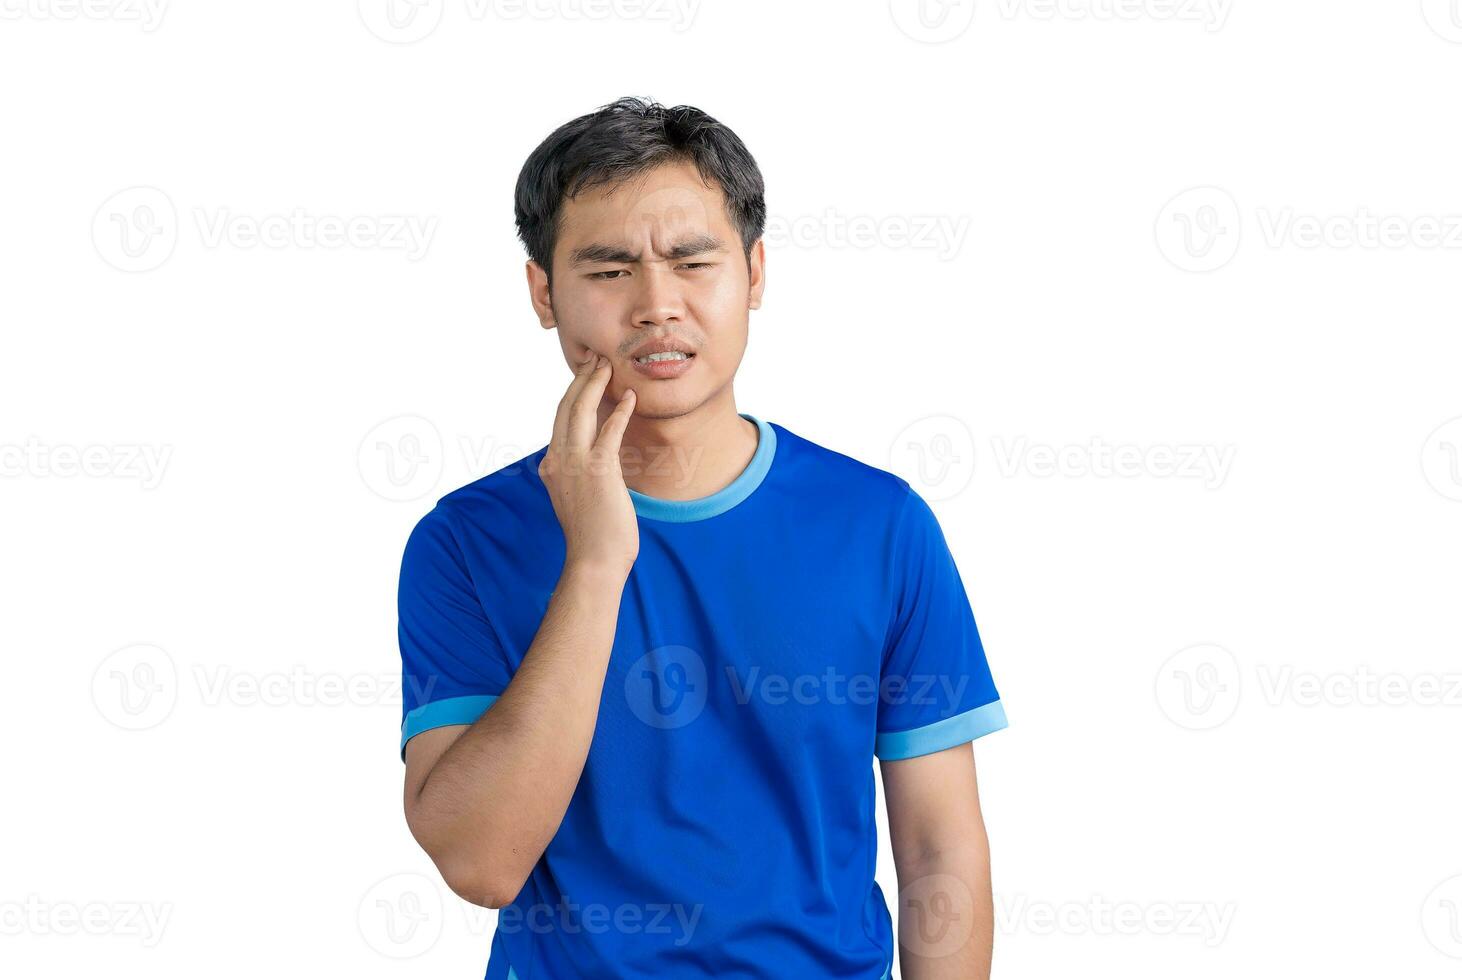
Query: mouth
[[662, 361], [668, 355]]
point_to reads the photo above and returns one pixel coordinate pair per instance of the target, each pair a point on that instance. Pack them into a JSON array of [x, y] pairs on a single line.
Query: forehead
[[655, 208]]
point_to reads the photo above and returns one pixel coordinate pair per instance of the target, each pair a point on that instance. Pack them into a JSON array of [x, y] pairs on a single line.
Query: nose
[[659, 301]]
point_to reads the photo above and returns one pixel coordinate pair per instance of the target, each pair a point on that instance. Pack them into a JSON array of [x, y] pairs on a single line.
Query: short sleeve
[[936, 690], [452, 664]]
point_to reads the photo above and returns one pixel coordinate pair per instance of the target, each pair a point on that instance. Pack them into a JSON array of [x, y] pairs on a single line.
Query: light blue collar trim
[[722, 500]]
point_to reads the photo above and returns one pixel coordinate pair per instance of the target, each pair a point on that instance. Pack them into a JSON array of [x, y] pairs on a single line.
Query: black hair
[[622, 140]]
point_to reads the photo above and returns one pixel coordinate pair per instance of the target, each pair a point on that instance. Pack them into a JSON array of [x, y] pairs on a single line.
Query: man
[[648, 667]]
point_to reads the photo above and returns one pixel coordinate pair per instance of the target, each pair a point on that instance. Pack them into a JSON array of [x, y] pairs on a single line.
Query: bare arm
[[946, 913], [485, 800]]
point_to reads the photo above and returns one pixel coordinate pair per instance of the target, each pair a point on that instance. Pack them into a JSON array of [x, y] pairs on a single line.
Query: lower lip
[[662, 370]]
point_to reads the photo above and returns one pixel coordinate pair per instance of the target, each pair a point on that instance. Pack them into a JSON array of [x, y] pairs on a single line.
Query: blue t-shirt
[[773, 639]]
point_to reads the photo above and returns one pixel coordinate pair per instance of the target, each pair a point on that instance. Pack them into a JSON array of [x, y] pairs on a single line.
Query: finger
[[611, 433], [584, 414], [564, 411]]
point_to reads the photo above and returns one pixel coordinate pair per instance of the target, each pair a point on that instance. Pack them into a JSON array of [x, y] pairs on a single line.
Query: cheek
[[588, 320], [724, 306], [725, 349], [720, 307], [730, 290]]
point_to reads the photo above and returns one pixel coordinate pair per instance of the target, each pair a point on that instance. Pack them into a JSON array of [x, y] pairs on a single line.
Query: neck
[[684, 457]]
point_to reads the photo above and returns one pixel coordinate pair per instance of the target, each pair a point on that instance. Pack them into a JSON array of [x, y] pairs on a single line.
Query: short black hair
[[622, 140]]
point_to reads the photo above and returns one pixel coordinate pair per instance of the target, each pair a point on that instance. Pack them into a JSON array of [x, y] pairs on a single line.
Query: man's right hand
[[582, 473], [485, 800]]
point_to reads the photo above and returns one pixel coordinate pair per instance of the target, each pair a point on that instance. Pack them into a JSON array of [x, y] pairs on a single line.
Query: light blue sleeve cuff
[[439, 714], [941, 735]]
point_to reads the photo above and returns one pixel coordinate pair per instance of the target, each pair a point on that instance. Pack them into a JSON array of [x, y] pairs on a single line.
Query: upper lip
[[661, 346]]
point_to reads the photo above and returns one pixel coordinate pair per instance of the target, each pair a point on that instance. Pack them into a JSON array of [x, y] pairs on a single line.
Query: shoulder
[[511, 494], [841, 480]]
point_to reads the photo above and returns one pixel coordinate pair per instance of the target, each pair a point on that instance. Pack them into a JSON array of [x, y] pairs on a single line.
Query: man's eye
[[609, 276], [698, 265]]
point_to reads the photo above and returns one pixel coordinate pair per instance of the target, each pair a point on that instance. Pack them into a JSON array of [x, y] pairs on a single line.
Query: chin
[[664, 404]]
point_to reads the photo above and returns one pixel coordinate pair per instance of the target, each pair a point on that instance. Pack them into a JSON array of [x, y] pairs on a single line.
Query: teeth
[[669, 355]]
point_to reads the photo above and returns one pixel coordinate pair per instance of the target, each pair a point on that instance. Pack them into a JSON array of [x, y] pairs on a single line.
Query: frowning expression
[[652, 274]]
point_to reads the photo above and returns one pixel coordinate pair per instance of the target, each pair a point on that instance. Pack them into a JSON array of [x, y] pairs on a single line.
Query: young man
[[649, 666]]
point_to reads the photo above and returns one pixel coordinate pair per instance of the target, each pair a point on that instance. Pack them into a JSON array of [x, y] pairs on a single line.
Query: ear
[[539, 295], [758, 276]]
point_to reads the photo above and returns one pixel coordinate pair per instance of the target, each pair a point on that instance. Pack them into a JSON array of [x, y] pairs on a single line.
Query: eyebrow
[[685, 248]]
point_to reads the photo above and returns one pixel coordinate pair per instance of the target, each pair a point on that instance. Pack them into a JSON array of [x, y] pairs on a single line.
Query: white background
[[1189, 449]]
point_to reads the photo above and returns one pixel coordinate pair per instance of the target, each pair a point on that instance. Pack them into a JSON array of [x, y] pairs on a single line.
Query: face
[[652, 263]]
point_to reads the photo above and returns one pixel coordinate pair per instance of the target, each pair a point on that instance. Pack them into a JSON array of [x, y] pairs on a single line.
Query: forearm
[[496, 797], [946, 913]]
